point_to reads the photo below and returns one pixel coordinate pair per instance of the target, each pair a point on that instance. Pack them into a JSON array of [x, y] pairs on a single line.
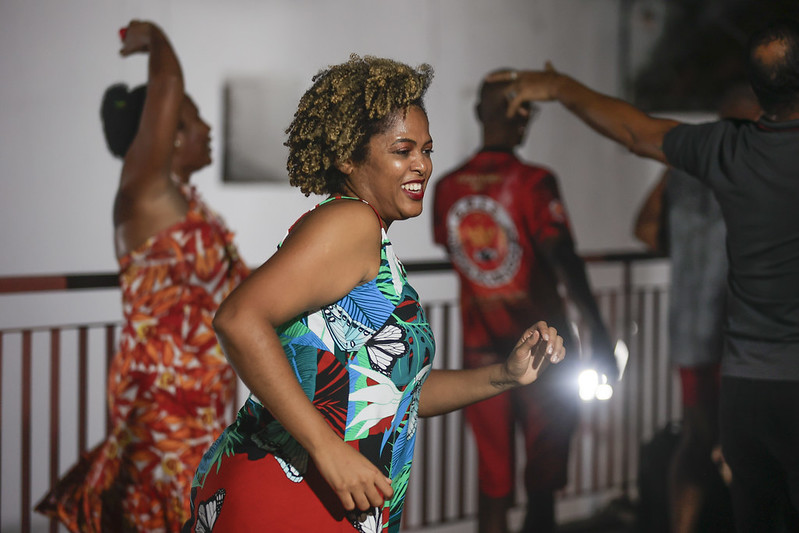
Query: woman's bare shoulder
[[348, 218]]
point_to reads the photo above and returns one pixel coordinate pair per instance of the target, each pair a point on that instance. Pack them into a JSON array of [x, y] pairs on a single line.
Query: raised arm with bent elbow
[[148, 199], [641, 133], [149, 156]]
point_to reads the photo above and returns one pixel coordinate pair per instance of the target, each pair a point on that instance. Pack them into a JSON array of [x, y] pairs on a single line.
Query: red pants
[[700, 385], [546, 411]]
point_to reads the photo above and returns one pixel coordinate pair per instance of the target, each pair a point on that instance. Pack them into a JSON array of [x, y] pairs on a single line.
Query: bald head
[[773, 68], [499, 130], [492, 100]]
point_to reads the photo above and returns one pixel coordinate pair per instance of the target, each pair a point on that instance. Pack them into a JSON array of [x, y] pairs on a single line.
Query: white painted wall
[[57, 179], [56, 58]]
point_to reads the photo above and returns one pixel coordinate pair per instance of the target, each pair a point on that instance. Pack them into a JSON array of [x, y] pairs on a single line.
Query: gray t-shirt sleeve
[[693, 148]]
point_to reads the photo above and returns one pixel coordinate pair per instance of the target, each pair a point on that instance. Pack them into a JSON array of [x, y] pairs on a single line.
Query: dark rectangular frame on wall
[[641, 25], [257, 110], [630, 49], [684, 55]]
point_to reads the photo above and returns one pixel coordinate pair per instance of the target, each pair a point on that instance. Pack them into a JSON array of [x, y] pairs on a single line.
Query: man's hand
[[527, 86], [603, 359]]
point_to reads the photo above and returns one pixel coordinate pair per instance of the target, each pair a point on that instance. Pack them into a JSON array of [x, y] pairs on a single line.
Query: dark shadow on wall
[[700, 51]]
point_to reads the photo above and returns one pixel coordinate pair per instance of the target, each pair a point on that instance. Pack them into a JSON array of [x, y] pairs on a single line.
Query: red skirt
[[247, 495]]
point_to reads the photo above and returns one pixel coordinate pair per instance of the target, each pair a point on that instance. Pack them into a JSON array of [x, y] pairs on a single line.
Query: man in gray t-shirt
[[753, 170], [686, 215]]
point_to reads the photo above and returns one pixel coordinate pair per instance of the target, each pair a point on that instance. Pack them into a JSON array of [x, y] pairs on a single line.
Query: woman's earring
[[177, 143]]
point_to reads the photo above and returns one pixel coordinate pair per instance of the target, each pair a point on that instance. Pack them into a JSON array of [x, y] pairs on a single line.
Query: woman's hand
[[537, 347], [447, 390], [137, 37], [358, 483]]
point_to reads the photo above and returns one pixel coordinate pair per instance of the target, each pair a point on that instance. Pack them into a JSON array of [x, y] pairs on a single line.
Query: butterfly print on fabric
[[292, 473], [208, 512], [348, 332], [386, 347], [373, 522]]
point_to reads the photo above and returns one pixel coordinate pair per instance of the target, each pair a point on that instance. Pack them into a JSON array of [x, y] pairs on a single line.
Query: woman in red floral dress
[[169, 386]]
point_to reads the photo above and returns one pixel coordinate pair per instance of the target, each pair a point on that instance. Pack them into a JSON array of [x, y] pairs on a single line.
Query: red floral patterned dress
[[169, 386]]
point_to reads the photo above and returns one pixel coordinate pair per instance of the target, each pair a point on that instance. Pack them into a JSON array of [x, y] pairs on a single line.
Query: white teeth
[[413, 187]]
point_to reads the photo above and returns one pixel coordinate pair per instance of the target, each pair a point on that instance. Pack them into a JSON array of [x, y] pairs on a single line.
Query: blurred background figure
[[508, 235], [751, 169], [682, 218], [169, 386]]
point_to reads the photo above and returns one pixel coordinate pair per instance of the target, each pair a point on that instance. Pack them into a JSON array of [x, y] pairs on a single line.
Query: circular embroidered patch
[[483, 240]]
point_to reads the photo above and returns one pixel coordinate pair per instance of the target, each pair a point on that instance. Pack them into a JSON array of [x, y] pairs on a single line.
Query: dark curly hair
[[120, 112], [346, 105]]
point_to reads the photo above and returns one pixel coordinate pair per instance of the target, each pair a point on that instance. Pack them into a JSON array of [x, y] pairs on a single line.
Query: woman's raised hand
[[136, 37]]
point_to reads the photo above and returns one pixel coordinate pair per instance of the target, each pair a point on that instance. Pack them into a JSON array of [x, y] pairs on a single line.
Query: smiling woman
[[394, 176], [329, 335]]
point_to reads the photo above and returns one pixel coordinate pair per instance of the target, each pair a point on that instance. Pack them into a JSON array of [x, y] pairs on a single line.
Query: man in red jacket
[[508, 236]]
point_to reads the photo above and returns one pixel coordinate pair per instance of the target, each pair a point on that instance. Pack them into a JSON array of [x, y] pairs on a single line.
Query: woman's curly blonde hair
[[346, 105]]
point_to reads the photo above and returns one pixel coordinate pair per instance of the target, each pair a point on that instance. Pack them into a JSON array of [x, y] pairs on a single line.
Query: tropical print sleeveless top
[[361, 361]]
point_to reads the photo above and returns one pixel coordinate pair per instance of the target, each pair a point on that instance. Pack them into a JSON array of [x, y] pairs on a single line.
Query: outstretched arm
[[613, 118], [448, 390]]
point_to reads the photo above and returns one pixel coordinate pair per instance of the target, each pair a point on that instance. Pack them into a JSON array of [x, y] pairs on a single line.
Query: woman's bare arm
[[148, 160], [332, 250], [448, 390]]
